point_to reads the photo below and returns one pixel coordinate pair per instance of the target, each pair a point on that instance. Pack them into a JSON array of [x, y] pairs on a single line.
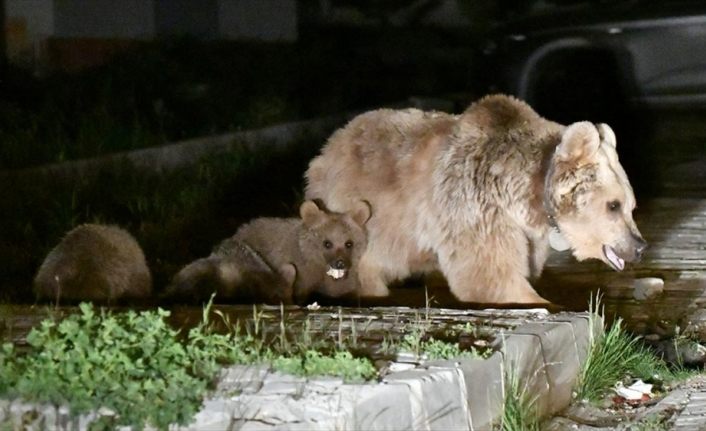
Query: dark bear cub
[[95, 263]]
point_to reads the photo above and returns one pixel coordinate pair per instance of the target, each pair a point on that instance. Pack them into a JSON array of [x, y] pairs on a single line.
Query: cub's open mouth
[[336, 274], [615, 261]]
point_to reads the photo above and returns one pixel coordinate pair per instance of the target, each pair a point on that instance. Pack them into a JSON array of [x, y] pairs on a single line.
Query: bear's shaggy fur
[[282, 259], [94, 263], [475, 195]]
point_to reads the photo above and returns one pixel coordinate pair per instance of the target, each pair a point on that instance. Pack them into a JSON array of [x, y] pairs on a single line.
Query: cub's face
[[591, 197], [335, 242]]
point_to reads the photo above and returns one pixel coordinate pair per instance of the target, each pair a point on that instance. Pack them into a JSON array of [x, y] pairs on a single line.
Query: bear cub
[[284, 260], [95, 263]]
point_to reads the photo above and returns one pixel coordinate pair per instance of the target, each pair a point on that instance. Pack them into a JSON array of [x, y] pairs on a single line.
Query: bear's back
[[94, 262], [275, 239]]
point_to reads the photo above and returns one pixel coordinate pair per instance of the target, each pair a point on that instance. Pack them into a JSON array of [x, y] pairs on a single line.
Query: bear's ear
[[310, 213], [607, 135], [578, 143], [361, 213]]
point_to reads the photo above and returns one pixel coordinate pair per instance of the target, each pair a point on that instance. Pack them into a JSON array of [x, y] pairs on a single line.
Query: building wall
[[187, 17], [73, 34], [27, 24], [267, 20], [117, 19]]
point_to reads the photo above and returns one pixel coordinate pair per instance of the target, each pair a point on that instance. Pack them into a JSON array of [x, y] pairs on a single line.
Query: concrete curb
[[546, 357]]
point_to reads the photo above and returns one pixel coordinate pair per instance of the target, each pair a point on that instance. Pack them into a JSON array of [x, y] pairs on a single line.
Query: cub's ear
[[361, 213], [579, 142], [310, 213], [607, 135]]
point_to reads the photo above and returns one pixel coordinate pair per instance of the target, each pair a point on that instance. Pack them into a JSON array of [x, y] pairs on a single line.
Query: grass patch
[[314, 363], [617, 354], [519, 413], [613, 356], [424, 346]]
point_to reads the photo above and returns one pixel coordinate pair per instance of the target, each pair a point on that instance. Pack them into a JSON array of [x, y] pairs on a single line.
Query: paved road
[[693, 416]]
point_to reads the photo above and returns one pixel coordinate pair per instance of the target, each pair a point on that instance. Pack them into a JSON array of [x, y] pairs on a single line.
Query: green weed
[[519, 413], [613, 356], [417, 342], [314, 363], [438, 349]]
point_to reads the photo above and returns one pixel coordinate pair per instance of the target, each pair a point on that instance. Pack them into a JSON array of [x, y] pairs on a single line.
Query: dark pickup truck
[[592, 59]]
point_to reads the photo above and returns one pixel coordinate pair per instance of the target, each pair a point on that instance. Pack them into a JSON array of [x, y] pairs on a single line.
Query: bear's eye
[[328, 244], [349, 244], [614, 206]]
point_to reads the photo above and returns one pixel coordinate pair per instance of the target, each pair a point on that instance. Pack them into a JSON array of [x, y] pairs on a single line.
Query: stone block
[[237, 379], [484, 386], [524, 361], [379, 407], [277, 383], [254, 426], [561, 360], [324, 385], [318, 407], [272, 409], [647, 288], [581, 327], [437, 398], [215, 414]]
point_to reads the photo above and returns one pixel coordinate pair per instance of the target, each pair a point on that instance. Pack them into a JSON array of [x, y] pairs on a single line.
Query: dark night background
[[82, 79]]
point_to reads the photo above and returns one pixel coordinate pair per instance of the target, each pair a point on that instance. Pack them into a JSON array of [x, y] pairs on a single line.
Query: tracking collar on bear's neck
[[551, 219], [557, 241]]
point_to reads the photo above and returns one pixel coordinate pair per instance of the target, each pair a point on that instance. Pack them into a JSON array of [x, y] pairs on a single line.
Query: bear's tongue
[[336, 274], [617, 263]]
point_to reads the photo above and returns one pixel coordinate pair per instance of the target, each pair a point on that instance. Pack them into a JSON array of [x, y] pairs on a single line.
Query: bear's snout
[[640, 245], [339, 264]]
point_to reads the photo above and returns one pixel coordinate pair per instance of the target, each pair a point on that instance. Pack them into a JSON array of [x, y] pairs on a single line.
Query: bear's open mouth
[[336, 274], [615, 261]]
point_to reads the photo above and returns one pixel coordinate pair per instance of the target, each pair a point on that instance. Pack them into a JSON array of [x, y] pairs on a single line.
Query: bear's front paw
[[375, 290]]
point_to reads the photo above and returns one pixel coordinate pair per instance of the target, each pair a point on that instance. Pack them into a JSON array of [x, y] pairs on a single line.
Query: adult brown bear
[[475, 195]]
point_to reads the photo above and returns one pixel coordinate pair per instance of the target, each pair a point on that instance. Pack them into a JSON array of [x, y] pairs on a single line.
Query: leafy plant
[[7, 367], [438, 349], [130, 363]]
